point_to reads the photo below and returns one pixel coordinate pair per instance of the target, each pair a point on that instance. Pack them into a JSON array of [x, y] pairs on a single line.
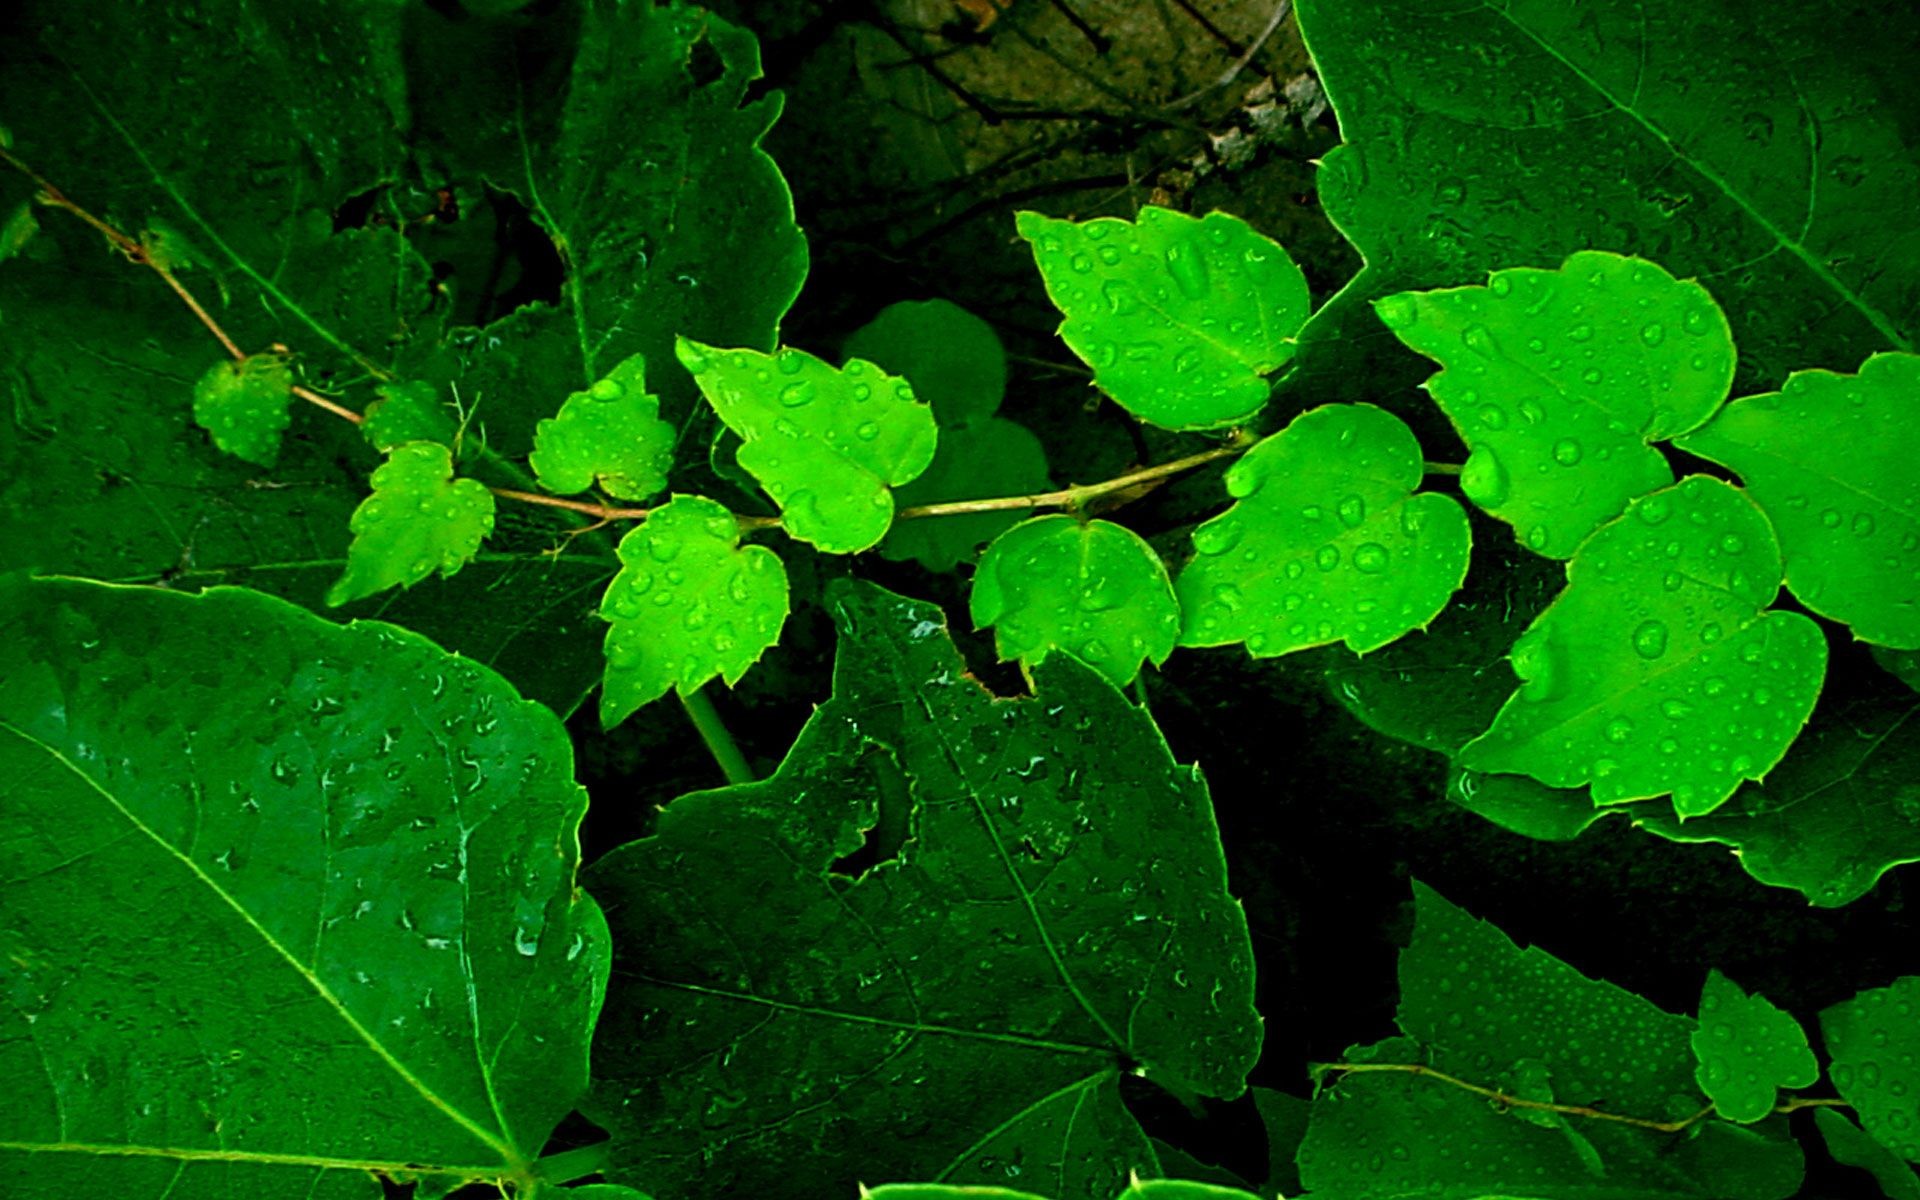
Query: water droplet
[[1653, 333], [797, 394], [1189, 269], [1398, 311], [1580, 333], [1484, 478], [1619, 730], [1370, 558], [1566, 452], [1327, 558], [866, 431], [1863, 525], [1654, 509], [1216, 536], [1352, 510], [606, 389], [1479, 339], [1650, 639]]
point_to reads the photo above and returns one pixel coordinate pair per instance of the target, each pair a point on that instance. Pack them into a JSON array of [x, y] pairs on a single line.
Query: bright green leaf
[[689, 603], [953, 359], [407, 412], [1046, 906], [1873, 1041], [1180, 317], [244, 406], [1830, 458], [419, 520], [1181, 1189], [1091, 588], [1660, 668], [981, 461], [1557, 380], [1747, 1049], [1772, 162], [339, 863], [1849, 1145], [826, 444], [1479, 1008], [1327, 541], [611, 434]]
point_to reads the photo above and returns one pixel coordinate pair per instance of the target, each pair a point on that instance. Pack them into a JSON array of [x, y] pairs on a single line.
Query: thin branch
[[1074, 497]]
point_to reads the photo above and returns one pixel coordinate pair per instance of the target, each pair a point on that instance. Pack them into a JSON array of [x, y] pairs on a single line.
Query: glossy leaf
[[419, 520], [1558, 380], [1093, 589], [340, 864], [981, 461], [1475, 1006], [1660, 668], [1180, 317], [1874, 1044], [610, 435], [409, 411], [1849, 1145], [1764, 162], [1138, 1189], [1747, 1050], [1327, 541], [244, 404], [1040, 908], [690, 603], [826, 444], [953, 359], [1830, 458]]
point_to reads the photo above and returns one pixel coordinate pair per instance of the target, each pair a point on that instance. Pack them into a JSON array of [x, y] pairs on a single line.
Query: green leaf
[[1180, 317], [1284, 1117], [1557, 380], [408, 411], [1093, 589], [689, 603], [1849, 1145], [243, 405], [419, 520], [1765, 161], [1181, 1189], [1660, 668], [1829, 458], [1747, 1049], [1050, 909], [992, 458], [1476, 1007], [1874, 1044], [1525, 806], [338, 862], [826, 444], [953, 359], [610, 435], [1326, 541]]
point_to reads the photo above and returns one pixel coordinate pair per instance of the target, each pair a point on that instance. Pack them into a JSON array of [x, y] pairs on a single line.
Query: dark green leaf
[[1849, 1145], [991, 458], [1748, 1049], [407, 412], [1873, 1041], [953, 359]]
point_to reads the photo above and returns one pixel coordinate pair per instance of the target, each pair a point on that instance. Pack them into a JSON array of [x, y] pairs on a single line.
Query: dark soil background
[[913, 130]]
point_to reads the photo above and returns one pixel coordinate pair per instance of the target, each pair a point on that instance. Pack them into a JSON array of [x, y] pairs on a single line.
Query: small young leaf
[[953, 359], [1180, 317], [1831, 459], [244, 405], [993, 457], [1093, 589], [1747, 1050], [1873, 1041], [689, 603], [610, 434], [1557, 380], [407, 412], [826, 444], [1326, 542], [419, 520], [1849, 1145], [1660, 668]]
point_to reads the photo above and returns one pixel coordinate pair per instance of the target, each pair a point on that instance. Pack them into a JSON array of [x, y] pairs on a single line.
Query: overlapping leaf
[[1181, 318], [1874, 1044], [1849, 1145], [419, 520], [689, 603], [1327, 541], [338, 863], [1041, 908], [1660, 668], [1831, 460], [1091, 588], [1558, 380], [1763, 160], [1478, 1008], [407, 411], [610, 435], [953, 359], [828, 445], [1748, 1049], [243, 405]]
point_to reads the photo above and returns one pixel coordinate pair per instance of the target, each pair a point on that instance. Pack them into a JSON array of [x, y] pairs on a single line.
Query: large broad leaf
[[1874, 1042], [1327, 541], [1558, 380], [1043, 907], [1849, 1145], [1661, 667], [289, 905], [1769, 159], [1521, 1023], [1830, 458]]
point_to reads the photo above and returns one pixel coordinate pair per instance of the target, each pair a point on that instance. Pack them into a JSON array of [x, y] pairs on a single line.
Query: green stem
[[569, 1165], [713, 732]]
